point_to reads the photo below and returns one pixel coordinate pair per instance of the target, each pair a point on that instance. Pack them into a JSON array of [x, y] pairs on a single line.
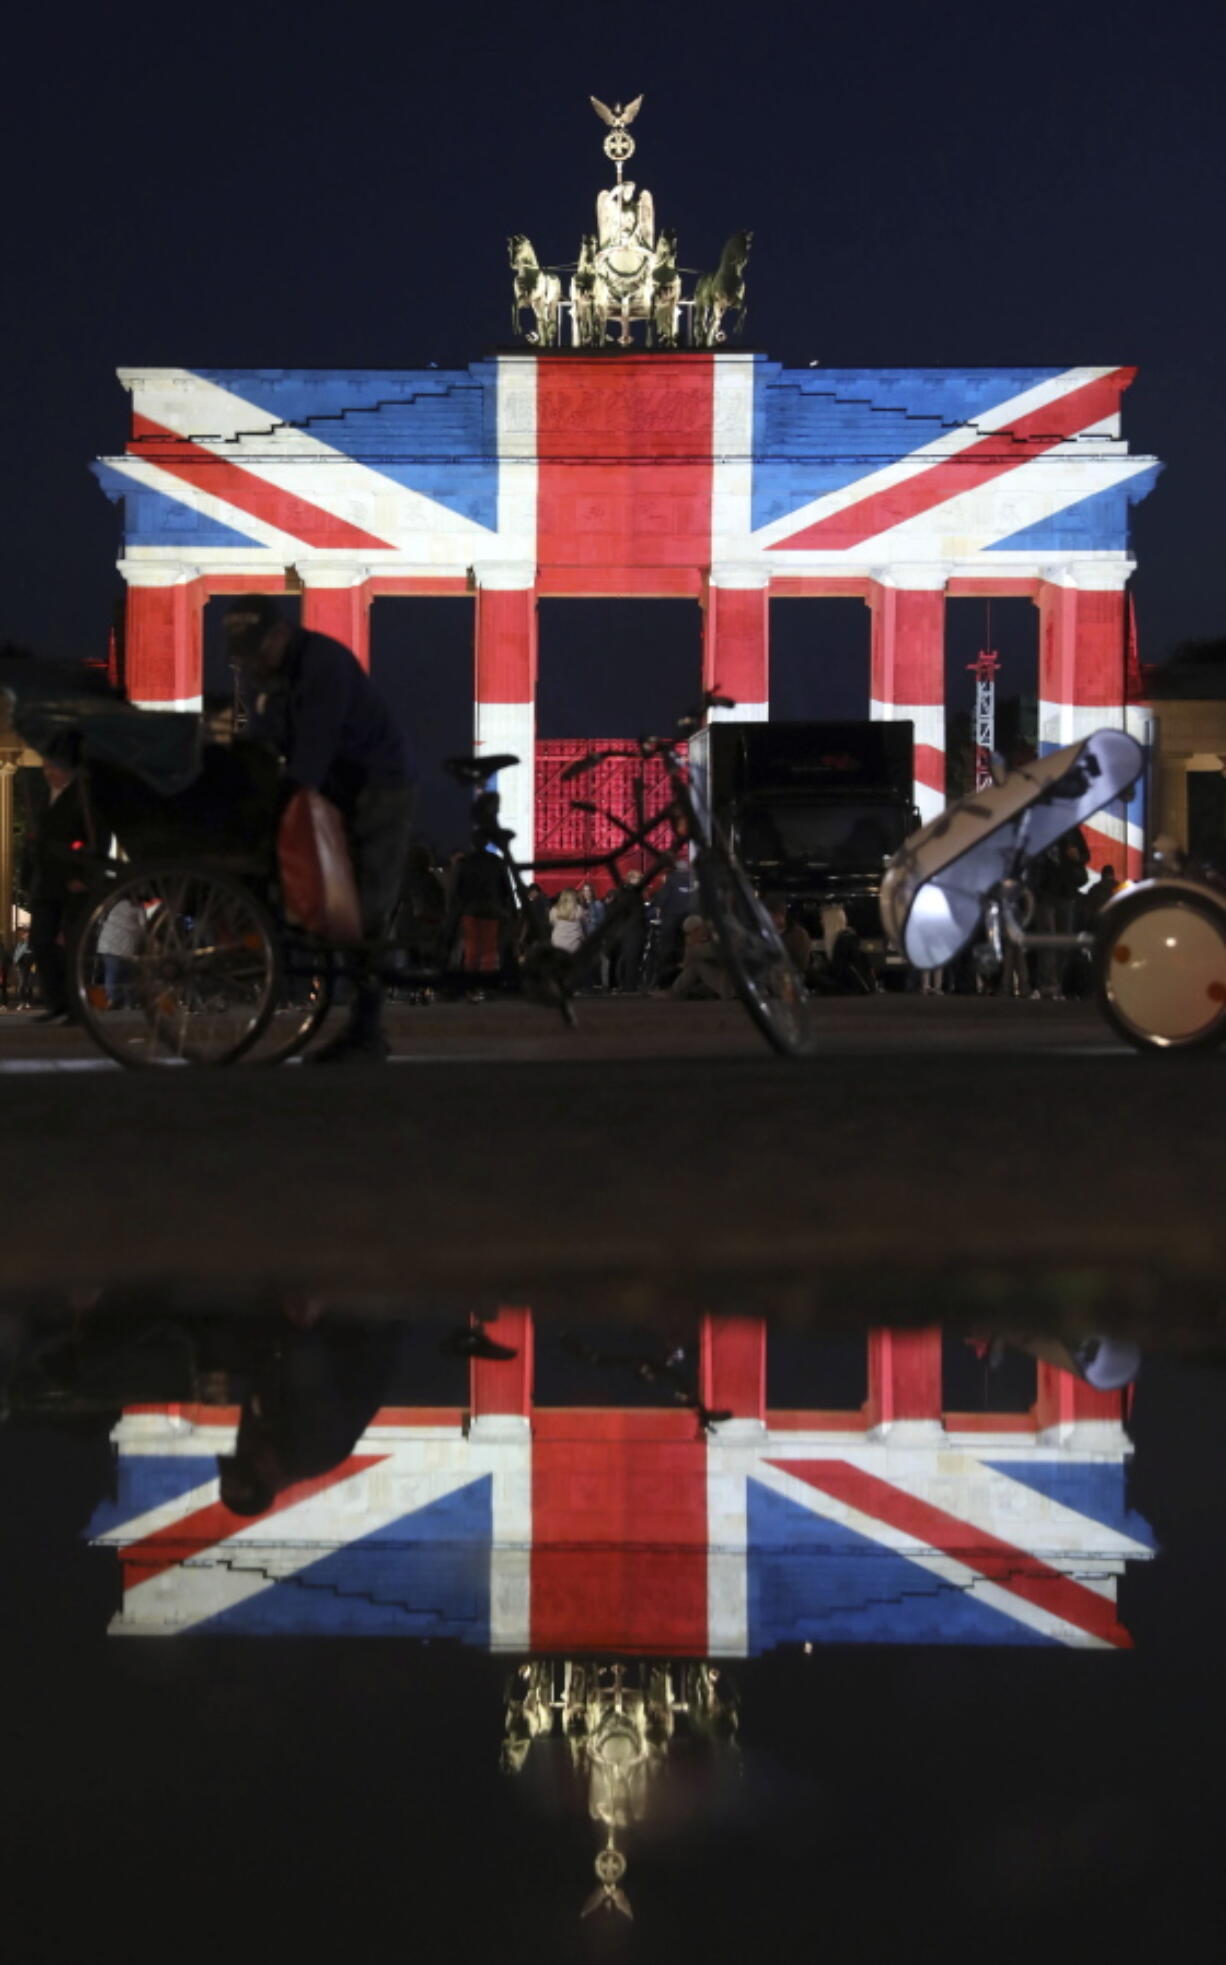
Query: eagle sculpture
[[619, 118]]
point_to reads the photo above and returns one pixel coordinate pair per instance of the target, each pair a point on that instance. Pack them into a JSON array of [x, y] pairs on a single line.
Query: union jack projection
[[723, 477], [629, 1533]]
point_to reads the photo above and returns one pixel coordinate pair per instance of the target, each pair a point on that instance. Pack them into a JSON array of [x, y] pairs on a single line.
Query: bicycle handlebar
[[647, 746]]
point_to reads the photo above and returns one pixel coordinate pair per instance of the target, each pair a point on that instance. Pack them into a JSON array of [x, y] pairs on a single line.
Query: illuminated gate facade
[[716, 476]]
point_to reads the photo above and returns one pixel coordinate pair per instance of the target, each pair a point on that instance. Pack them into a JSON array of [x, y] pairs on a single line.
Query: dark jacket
[[49, 858], [1058, 874], [324, 715]]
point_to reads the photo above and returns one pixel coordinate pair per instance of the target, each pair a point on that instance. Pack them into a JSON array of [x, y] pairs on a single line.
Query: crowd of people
[[463, 916]]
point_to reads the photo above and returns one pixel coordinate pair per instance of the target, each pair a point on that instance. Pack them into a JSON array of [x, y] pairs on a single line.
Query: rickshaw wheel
[[306, 994], [198, 972], [1160, 969]]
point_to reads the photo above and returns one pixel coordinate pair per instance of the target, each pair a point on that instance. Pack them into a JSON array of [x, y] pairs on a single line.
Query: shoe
[[352, 1047]]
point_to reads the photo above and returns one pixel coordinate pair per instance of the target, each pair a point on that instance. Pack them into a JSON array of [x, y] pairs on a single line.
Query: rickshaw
[[1157, 948]]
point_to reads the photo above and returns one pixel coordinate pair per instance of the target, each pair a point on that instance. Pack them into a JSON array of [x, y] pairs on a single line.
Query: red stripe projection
[[205, 471], [625, 475], [619, 1538], [1026, 1576]]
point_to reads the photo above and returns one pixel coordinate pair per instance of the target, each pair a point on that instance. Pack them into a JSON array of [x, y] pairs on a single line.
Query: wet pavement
[[318, 1627], [826, 1547], [659, 1151]]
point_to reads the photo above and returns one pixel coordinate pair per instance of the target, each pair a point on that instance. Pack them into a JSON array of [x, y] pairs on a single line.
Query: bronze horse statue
[[534, 288], [589, 298], [718, 293]]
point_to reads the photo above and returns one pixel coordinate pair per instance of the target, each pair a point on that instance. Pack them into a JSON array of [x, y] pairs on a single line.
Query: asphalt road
[[658, 1156]]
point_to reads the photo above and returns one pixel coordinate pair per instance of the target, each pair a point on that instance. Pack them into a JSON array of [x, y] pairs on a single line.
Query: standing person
[[23, 963], [566, 922], [795, 937], [535, 926], [628, 950], [311, 699], [591, 914], [53, 891], [1096, 896], [1059, 875], [481, 915], [120, 940], [591, 909]]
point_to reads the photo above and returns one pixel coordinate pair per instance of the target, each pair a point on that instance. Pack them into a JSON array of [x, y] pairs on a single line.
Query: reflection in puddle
[[271, 1478]]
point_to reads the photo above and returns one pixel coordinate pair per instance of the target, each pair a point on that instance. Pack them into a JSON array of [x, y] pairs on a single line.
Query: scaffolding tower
[[984, 669]]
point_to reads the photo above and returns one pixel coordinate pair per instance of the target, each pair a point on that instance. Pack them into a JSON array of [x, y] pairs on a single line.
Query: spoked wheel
[[198, 973], [305, 996], [767, 980], [1161, 969]]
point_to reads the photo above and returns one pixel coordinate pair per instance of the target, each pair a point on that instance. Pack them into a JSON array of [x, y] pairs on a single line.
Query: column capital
[[1089, 575], [745, 578], [504, 576], [924, 576], [157, 572], [335, 577]]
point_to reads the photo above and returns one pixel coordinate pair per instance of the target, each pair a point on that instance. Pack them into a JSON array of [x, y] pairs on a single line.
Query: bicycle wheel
[[766, 979], [201, 969], [1160, 968], [306, 994]]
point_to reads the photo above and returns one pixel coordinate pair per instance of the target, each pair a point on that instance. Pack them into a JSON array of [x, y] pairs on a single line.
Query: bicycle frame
[[678, 812]]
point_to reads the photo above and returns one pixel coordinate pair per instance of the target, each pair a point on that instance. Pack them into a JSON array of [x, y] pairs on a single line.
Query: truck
[[814, 811]]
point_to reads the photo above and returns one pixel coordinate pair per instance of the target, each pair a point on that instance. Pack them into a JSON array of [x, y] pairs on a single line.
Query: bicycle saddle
[[477, 770]]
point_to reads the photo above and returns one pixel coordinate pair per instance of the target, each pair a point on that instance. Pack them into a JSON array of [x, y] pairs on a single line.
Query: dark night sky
[[314, 188]]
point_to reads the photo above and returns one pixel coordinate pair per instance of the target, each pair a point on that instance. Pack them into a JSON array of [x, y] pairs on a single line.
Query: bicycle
[[760, 969], [759, 966]]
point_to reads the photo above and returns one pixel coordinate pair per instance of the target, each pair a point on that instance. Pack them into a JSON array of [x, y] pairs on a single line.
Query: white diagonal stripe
[[947, 1569], [294, 461], [141, 470], [266, 1550], [935, 452]]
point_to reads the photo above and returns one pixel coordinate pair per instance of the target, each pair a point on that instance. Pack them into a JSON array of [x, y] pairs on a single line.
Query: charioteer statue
[[625, 273]]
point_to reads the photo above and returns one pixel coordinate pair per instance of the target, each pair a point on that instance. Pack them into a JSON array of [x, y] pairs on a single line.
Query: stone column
[[1083, 645], [736, 641], [1068, 1412], [336, 602], [505, 689], [905, 1396], [732, 1372], [500, 1391], [908, 668], [164, 644]]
